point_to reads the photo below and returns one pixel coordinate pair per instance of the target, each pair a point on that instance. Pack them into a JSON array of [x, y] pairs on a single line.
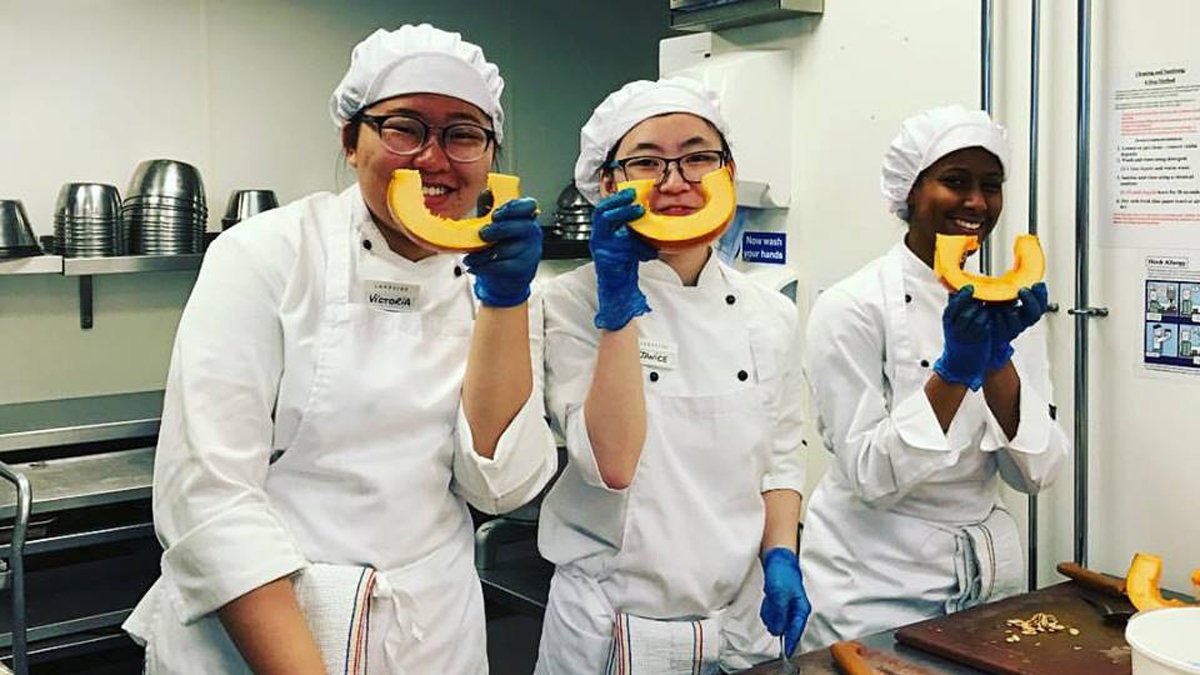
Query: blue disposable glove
[[785, 607], [617, 254], [504, 270], [966, 326], [1010, 319]]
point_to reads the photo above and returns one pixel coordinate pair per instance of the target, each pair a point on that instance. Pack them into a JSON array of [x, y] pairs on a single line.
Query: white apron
[[694, 516], [950, 547], [370, 462]]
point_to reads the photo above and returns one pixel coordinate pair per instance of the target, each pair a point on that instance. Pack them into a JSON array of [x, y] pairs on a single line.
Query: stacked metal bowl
[[16, 234], [165, 211], [572, 215], [246, 203], [86, 220]]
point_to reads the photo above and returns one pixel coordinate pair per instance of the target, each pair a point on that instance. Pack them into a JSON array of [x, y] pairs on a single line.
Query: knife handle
[[1092, 580], [849, 659]]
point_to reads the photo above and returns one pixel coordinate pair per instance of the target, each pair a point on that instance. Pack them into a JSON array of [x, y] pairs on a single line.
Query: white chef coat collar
[[916, 269], [660, 271]]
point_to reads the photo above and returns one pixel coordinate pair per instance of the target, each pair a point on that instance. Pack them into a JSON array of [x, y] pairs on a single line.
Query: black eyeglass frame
[[376, 122], [723, 155]]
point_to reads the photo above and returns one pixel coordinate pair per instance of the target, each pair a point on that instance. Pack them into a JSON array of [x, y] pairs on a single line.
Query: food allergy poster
[[1152, 177], [1171, 311]]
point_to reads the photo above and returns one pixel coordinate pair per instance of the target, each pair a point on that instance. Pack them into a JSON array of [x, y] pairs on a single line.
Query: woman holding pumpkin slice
[[338, 395], [926, 403], [676, 383]]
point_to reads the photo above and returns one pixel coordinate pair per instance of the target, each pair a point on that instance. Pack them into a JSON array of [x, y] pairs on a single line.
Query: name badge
[[657, 354], [391, 296]]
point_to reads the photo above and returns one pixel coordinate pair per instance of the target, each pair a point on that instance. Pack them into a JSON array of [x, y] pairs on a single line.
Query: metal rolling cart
[[83, 550], [14, 578]]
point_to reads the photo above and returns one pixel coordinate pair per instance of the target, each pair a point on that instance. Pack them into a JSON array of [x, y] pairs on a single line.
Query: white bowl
[[1165, 641]]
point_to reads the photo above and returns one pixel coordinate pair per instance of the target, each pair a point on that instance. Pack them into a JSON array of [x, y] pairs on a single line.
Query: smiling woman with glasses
[[371, 379], [674, 380]]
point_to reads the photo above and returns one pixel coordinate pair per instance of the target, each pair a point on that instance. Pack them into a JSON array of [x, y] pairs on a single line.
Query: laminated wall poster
[[1171, 314]]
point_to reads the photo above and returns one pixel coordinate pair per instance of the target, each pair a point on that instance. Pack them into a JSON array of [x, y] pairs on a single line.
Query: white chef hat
[[628, 106], [418, 60], [926, 137]]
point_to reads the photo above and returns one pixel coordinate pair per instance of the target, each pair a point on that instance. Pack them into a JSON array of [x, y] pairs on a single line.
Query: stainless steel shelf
[[84, 597], [520, 580], [78, 267], [43, 424], [80, 482], [38, 264]]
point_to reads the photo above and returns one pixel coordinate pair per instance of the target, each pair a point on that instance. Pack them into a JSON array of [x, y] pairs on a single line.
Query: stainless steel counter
[[90, 480], [42, 424]]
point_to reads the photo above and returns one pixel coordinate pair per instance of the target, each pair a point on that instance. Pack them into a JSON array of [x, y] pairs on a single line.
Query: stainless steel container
[[16, 233], [246, 203], [87, 220]]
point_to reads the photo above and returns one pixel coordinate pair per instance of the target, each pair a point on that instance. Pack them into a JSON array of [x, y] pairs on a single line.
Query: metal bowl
[[88, 201], [167, 178], [570, 199], [246, 203], [16, 234]]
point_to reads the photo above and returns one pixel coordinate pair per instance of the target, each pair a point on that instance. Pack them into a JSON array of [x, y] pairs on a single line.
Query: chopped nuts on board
[[1035, 625]]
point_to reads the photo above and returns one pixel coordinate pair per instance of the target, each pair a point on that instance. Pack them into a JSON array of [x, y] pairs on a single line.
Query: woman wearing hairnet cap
[[926, 403], [671, 377], [338, 395]]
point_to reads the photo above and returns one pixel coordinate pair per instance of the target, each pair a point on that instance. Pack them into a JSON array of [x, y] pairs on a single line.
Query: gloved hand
[[785, 607], [966, 326], [617, 254], [504, 270], [1009, 319]]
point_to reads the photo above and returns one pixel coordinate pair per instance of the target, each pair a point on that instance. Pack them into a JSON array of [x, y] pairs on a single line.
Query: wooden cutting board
[[976, 637]]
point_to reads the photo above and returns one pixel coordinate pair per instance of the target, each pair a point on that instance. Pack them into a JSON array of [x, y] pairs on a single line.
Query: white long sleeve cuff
[[524, 461], [1033, 429], [238, 550]]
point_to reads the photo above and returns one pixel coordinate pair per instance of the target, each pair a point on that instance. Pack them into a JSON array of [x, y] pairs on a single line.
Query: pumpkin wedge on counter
[[1141, 584], [407, 205], [672, 232], [1029, 266]]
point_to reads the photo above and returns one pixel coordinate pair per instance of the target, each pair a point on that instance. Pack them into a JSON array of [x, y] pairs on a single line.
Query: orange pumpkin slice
[[703, 226], [1029, 266], [1141, 583], [432, 231]]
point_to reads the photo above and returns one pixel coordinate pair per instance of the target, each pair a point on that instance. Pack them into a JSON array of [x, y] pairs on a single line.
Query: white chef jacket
[[724, 424], [888, 535], [306, 422]]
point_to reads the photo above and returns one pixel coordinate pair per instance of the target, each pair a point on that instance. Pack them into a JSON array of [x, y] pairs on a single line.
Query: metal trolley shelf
[[46, 610]]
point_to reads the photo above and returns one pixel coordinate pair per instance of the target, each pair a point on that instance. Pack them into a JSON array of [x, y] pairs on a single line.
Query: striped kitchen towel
[[336, 600], [644, 646]]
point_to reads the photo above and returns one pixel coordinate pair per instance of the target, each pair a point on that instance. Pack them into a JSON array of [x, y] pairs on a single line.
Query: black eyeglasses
[[691, 167], [408, 135]]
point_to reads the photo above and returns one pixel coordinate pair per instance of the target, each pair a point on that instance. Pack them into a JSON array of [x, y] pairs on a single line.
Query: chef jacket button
[[367, 244], [907, 297], [653, 376], [924, 363], [457, 271], [743, 375], [729, 299]]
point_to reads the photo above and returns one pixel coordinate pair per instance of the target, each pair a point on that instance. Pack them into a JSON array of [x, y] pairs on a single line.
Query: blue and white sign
[[764, 247]]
